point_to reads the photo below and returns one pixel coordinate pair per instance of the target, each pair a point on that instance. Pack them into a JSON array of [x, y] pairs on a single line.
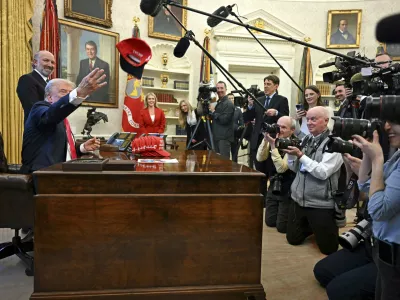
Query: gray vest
[[309, 191]]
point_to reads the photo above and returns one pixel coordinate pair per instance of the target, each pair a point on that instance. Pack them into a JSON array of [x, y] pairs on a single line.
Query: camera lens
[[336, 145], [271, 128], [385, 108], [347, 127], [284, 143]]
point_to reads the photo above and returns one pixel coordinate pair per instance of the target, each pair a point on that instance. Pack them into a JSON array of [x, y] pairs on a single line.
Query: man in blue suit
[[45, 140]]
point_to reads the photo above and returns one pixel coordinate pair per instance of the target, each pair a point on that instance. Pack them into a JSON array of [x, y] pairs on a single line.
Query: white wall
[[308, 16]]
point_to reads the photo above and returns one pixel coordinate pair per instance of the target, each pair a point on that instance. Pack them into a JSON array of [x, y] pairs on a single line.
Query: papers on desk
[[157, 160]]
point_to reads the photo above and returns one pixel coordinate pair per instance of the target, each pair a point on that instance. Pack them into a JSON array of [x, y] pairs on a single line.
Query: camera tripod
[[210, 144]]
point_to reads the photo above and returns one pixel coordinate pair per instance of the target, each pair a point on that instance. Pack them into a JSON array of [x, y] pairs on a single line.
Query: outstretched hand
[[372, 149], [91, 82], [92, 144]]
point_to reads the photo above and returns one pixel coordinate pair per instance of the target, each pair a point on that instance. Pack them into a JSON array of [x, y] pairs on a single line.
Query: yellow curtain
[[15, 60]]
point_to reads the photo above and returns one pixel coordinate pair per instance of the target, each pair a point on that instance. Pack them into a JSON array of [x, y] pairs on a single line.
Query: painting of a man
[[90, 63], [344, 29], [342, 35], [164, 25]]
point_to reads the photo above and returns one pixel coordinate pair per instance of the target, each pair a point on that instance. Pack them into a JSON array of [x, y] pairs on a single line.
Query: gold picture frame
[[82, 44], [393, 50], [349, 36], [165, 27], [97, 12]]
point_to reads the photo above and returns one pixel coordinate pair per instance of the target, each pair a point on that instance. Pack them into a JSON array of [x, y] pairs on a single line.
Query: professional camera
[[271, 129], [284, 143], [243, 102], [337, 145], [206, 92], [350, 239], [385, 108], [347, 127], [378, 81], [276, 184], [346, 68]]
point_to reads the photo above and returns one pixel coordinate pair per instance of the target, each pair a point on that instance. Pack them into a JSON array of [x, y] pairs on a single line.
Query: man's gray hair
[[55, 82], [292, 123]]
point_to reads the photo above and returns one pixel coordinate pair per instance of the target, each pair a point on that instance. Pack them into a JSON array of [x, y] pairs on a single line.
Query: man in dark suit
[[276, 106], [89, 64], [342, 36], [165, 23], [47, 137], [237, 121], [222, 121], [30, 88]]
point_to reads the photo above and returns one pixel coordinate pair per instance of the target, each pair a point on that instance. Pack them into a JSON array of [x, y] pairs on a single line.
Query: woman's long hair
[[183, 115], [316, 90], [146, 105]]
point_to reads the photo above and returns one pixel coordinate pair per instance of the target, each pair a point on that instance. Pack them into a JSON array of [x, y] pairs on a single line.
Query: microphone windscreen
[[388, 29], [151, 7], [221, 12], [181, 48], [356, 77]]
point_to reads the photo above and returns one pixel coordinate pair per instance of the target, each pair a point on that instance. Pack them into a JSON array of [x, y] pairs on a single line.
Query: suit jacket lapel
[[39, 78], [272, 101]]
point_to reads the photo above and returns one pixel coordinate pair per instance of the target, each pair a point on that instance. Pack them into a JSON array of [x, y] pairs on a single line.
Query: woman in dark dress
[[188, 118]]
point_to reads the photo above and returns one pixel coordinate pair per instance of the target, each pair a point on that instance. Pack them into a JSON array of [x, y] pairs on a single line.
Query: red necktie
[[71, 142]]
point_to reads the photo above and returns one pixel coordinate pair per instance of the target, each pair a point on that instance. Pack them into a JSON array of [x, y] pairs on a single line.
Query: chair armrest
[[15, 181]]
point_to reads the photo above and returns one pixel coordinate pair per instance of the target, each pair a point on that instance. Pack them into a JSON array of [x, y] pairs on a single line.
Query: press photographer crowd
[[321, 164]]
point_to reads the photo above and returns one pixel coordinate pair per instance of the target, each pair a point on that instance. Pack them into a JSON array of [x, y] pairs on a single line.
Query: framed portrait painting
[[344, 29], [92, 11], [84, 48], [393, 50], [164, 26]]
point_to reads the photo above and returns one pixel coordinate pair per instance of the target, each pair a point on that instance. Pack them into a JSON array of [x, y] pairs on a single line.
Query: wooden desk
[[191, 230]]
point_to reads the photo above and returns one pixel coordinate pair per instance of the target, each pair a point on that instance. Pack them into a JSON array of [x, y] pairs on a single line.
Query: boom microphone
[[182, 46], [221, 12], [151, 7], [327, 64], [387, 30]]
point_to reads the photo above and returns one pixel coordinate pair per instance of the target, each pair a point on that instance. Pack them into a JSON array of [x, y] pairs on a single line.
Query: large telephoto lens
[[284, 143], [347, 127], [336, 145], [385, 108]]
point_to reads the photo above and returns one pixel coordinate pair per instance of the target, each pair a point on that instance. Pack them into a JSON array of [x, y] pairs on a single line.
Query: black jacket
[[200, 135], [278, 102], [30, 89], [222, 123]]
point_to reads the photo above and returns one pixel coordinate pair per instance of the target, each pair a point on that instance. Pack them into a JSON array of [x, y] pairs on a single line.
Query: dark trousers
[[388, 279], [223, 147], [347, 275], [234, 150], [267, 167], [304, 221], [277, 211]]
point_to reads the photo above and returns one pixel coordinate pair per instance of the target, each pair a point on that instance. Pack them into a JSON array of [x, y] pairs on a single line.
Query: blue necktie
[[267, 101]]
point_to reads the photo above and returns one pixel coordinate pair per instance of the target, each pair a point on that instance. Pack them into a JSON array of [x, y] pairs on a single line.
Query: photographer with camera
[[349, 273], [222, 125], [312, 210], [277, 106], [381, 181], [277, 200]]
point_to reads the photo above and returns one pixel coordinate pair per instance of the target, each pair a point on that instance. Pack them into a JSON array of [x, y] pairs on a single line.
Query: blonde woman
[[188, 118], [152, 118]]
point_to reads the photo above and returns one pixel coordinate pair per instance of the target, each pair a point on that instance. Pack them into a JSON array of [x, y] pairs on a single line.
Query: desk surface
[[189, 161]]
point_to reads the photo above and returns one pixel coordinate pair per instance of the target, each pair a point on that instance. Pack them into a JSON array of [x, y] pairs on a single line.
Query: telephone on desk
[[122, 140]]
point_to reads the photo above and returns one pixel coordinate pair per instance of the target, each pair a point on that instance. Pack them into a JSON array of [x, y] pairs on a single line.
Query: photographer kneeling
[[382, 181], [312, 210], [277, 201]]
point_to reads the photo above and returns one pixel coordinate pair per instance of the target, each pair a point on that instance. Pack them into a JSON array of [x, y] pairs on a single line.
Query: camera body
[[284, 143], [206, 92], [271, 129]]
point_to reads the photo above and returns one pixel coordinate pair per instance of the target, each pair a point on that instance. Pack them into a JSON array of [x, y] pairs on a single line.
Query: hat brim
[[128, 68], [163, 153]]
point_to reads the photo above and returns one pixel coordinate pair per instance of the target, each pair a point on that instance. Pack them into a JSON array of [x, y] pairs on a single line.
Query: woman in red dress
[[152, 118]]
